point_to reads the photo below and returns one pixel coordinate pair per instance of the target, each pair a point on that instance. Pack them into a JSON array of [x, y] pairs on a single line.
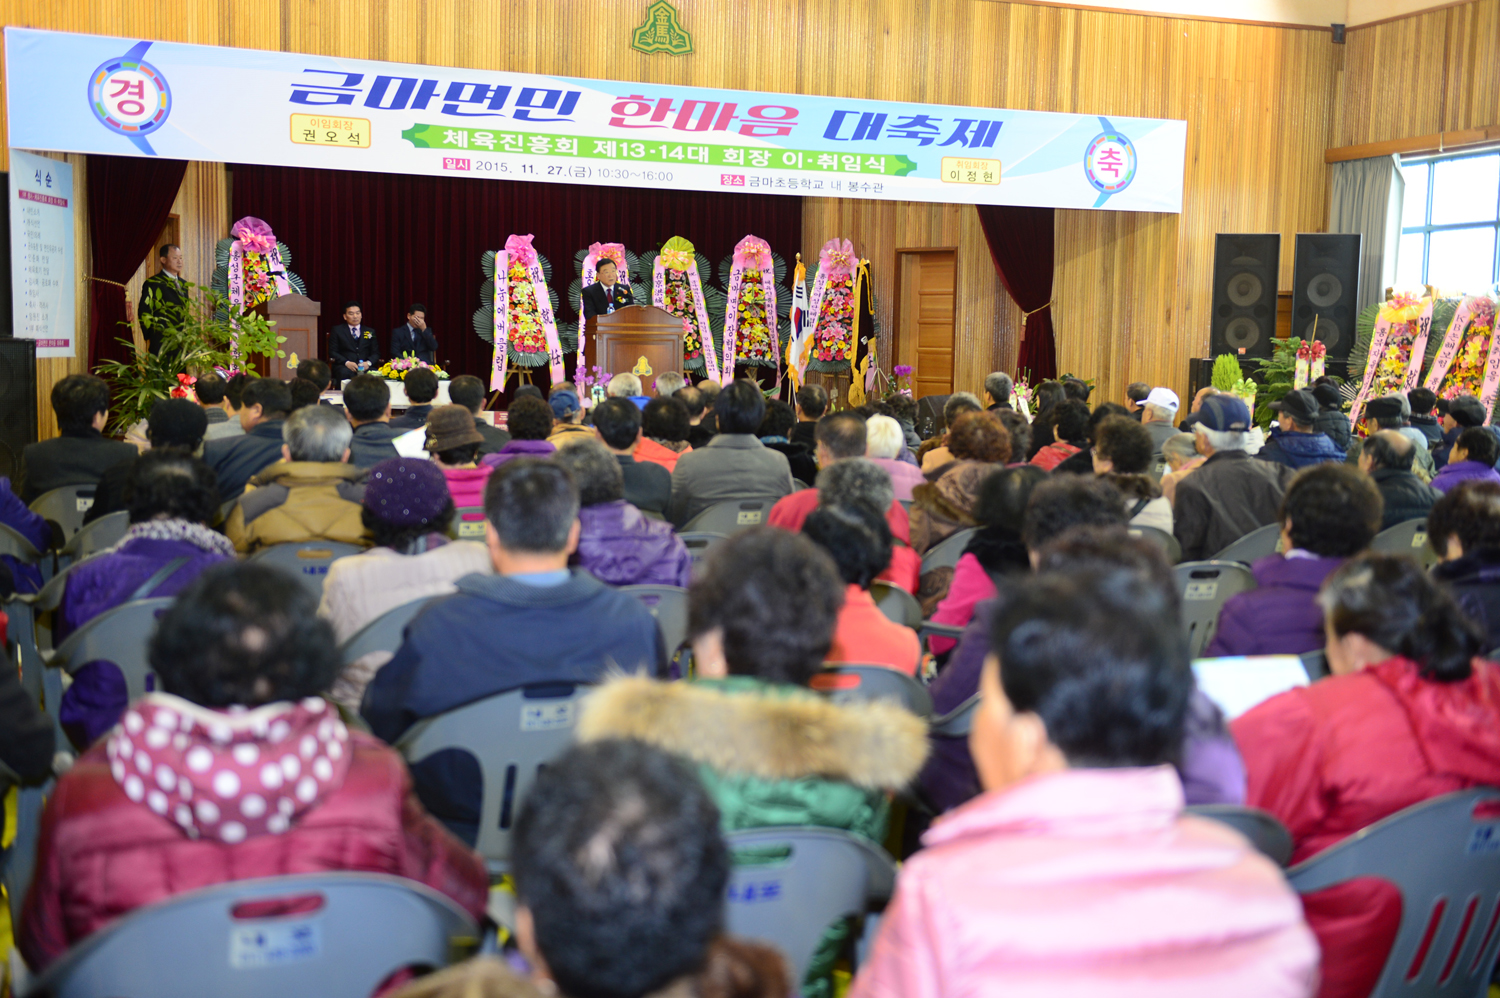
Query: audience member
[[1293, 441], [1070, 429], [1471, 459], [1180, 455], [311, 494], [1464, 529], [840, 436], [367, 400], [240, 658], [627, 386], [761, 619], [1135, 399], [173, 422], [904, 411], [997, 388], [1331, 418], [567, 418], [701, 425], [454, 443], [958, 403], [234, 389], [1081, 462], [210, 390], [304, 393], [884, 439], [463, 648], [858, 539], [733, 465], [27, 739], [1160, 412], [1422, 420], [1386, 457], [666, 383], [1389, 412], [811, 403], [775, 432], [616, 544], [1076, 388], [1077, 868], [529, 421], [941, 508], [1185, 425], [1122, 455], [82, 453], [1407, 715], [314, 370], [468, 391], [618, 425], [1461, 413], [16, 515], [407, 511], [1230, 494], [664, 431], [421, 387], [235, 460], [1329, 515], [1019, 428]]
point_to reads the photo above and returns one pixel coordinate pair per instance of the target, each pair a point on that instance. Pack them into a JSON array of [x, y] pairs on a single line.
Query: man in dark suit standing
[[607, 295], [164, 297], [414, 337], [352, 346]]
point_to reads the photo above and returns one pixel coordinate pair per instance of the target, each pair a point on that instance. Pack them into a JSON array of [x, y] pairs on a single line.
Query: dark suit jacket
[[421, 342], [235, 460], [596, 303], [647, 486], [75, 458], [343, 347], [494, 437], [162, 298]]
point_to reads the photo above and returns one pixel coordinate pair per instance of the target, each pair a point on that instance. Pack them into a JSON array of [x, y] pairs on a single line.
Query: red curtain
[[130, 198], [1021, 244], [390, 240]]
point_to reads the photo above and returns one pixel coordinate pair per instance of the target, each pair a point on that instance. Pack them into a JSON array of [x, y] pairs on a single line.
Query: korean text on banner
[[41, 252]]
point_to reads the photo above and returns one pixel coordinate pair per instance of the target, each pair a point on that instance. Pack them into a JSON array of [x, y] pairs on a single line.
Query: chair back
[[97, 535], [384, 633], [1265, 833], [1444, 856], [17, 546], [1168, 543], [66, 506], [121, 636], [1408, 537], [1316, 664], [731, 516], [946, 553], [669, 605], [956, 723], [699, 543], [1258, 543], [512, 735], [320, 935], [1205, 587], [788, 885], [853, 683], [897, 604], [468, 523], [930, 630], [307, 560]]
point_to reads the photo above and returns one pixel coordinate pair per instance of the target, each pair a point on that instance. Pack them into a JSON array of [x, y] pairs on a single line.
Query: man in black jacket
[[82, 454], [367, 401], [468, 391], [421, 388], [606, 295], [1387, 458], [648, 487], [352, 346], [164, 297], [235, 460], [415, 338]]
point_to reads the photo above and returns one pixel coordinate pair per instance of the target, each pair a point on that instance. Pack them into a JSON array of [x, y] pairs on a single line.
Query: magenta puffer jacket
[[621, 546], [467, 485], [1089, 882]]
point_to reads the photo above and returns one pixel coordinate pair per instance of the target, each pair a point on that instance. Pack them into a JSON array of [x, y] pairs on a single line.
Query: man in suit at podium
[[607, 295], [163, 297], [352, 346], [414, 337]]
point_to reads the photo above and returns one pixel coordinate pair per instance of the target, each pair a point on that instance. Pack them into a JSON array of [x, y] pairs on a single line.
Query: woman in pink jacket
[[1076, 872]]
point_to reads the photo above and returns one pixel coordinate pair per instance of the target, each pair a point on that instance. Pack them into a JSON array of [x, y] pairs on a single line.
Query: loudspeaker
[[1246, 266], [1200, 376], [17, 404], [929, 420], [1325, 292]]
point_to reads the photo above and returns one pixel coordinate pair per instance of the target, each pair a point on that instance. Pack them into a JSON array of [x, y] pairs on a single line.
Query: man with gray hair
[[311, 494], [997, 389], [623, 386], [667, 383], [1231, 493]]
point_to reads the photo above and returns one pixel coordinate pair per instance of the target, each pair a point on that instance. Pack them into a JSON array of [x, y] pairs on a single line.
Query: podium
[[618, 342], [296, 318]]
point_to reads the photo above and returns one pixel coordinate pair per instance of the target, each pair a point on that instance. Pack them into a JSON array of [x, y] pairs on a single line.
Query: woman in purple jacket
[[32, 526], [618, 544], [1472, 459]]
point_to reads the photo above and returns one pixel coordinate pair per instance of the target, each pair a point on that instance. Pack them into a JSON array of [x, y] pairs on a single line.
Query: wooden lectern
[[618, 342], [296, 318]]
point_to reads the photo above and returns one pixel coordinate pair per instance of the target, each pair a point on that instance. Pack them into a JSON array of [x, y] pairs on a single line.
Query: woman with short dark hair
[[858, 538], [1122, 455], [529, 423], [617, 544], [1464, 529]]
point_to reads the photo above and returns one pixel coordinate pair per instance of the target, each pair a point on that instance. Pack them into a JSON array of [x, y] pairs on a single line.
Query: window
[[1449, 222]]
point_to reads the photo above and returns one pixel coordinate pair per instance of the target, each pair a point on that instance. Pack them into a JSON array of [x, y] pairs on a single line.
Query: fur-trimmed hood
[[771, 733]]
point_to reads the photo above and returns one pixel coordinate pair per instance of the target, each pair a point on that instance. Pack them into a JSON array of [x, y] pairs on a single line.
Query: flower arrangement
[[184, 389], [752, 333], [591, 382], [250, 268], [517, 312], [901, 375], [1466, 374], [398, 368], [677, 286], [1310, 362], [833, 307]]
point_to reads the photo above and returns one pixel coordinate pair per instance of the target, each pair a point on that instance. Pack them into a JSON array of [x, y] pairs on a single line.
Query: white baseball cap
[[1164, 397]]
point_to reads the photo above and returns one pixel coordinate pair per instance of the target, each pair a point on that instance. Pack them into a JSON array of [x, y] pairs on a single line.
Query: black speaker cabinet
[[1325, 292], [17, 404], [1200, 376], [1246, 266], [930, 415]]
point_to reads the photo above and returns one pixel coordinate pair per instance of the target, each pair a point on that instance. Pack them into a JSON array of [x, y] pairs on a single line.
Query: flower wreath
[[518, 310], [833, 307], [679, 284], [1397, 346], [1466, 363], [755, 317], [251, 267]]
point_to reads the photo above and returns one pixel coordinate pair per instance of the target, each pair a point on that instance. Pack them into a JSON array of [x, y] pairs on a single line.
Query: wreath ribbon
[[1388, 320], [751, 253], [500, 360], [700, 308]]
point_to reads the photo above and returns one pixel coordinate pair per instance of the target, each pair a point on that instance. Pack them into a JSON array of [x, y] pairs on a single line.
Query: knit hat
[[176, 423], [1326, 394], [450, 426], [564, 404], [406, 492], [1467, 411]]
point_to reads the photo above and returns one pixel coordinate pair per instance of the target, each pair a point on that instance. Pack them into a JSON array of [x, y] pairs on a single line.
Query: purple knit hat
[[406, 492]]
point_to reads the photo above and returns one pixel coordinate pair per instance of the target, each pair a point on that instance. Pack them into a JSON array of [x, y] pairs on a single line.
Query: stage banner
[[132, 97], [41, 252]]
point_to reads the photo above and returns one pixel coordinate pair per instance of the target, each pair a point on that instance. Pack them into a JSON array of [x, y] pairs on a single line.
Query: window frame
[[1426, 229]]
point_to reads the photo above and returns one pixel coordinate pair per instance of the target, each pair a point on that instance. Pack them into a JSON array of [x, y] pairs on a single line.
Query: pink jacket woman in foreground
[[1076, 872]]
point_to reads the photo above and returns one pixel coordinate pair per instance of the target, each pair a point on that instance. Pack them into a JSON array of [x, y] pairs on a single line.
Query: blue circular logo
[[130, 96], [1109, 162]]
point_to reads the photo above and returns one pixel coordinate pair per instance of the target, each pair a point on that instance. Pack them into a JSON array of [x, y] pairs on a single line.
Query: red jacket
[[1334, 757], [102, 855], [791, 512]]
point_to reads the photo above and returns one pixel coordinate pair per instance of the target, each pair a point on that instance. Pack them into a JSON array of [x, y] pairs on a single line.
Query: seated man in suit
[[464, 647], [235, 460], [607, 295], [415, 338], [82, 454], [352, 346], [648, 486], [734, 464]]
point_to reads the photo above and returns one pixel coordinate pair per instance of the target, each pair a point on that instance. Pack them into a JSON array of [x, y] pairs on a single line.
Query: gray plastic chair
[[1168, 543], [1409, 538], [897, 604], [946, 553], [120, 636], [512, 735], [1444, 856], [384, 633], [669, 605], [1264, 831], [731, 516], [1316, 664], [956, 723], [856, 683], [341, 935], [94, 537], [468, 523], [66, 506], [17, 546], [307, 560], [788, 885], [1205, 587], [929, 630], [1258, 543], [699, 543]]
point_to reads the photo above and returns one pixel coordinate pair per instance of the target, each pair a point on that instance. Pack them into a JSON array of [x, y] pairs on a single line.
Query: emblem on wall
[[1109, 162], [131, 97], [662, 32]]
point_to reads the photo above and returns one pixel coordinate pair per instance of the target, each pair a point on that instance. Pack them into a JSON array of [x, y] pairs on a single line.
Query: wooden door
[[924, 324]]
